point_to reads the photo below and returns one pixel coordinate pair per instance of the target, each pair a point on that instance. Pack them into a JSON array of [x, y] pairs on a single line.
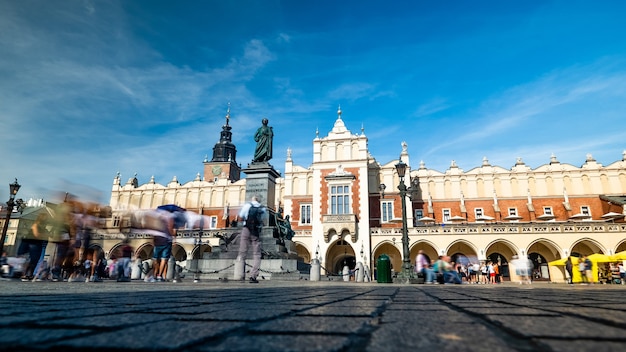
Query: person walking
[[581, 269], [33, 245], [251, 214], [421, 267]]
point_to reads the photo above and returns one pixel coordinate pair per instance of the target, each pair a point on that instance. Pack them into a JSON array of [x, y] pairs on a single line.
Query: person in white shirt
[[422, 266]]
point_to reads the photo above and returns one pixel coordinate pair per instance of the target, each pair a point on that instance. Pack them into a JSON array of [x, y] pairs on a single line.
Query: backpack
[[254, 221]]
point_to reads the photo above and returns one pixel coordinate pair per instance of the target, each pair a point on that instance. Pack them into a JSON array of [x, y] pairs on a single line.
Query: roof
[[619, 200]]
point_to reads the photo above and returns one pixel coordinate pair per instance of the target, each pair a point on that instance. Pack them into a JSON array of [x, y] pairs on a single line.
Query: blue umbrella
[[180, 219], [171, 208]]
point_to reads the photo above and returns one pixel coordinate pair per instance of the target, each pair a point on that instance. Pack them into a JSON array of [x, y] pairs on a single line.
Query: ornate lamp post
[[406, 275], [13, 187]]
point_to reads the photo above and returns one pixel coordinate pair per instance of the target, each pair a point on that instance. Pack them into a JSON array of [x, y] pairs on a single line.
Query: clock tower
[[223, 165]]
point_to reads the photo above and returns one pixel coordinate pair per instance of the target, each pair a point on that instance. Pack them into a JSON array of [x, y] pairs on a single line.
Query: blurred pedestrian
[[477, 273], [33, 245], [421, 267], [251, 214], [484, 273], [492, 273], [589, 270], [581, 270], [569, 270], [123, 262], [62, 228]]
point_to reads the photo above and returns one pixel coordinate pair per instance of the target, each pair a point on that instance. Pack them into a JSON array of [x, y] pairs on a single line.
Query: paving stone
[[421, 334], [508, 311], [565, 327], [340, 311], [609, 315], [109, 321], [241, 315], [574, 345], [20, 338], [162, 335], [287, 343], [299, 324]]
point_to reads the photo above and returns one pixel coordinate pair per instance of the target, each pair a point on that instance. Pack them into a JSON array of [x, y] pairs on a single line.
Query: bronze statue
[[263, 139]]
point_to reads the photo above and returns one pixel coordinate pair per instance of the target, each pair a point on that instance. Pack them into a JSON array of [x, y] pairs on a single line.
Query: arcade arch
[[541, 252], [145, 251], [501, 251], [340, 254], [586, 246], [428, 248], [390, 250], [199, 251], [303, 252]]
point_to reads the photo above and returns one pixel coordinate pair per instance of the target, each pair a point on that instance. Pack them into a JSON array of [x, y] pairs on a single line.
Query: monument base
[[271, 269]]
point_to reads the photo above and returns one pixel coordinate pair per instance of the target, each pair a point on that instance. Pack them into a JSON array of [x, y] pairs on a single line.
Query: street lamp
[[13, 187], [406, 274]]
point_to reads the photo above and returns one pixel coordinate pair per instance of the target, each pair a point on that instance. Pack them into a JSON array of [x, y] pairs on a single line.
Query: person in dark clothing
[[569, 269]]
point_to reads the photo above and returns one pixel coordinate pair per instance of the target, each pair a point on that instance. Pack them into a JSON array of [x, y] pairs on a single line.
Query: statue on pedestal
[[263, 139]]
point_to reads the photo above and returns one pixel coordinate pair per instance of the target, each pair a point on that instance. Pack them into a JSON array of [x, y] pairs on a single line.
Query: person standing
[[484, 273], [496, 270], [569, 270], [477, 273], [250, 235], [589, 270], [492, 272]]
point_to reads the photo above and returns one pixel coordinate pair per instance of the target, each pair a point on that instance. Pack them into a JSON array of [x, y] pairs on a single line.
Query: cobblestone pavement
[[310, 316]]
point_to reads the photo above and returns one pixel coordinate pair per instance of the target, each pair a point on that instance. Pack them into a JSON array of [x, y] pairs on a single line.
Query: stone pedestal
[[261, 181]]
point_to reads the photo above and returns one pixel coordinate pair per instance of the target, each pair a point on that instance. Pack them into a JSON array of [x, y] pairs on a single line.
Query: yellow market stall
[[595, 259]]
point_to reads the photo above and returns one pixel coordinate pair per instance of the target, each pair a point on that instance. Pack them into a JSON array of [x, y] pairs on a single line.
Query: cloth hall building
[[345, 207]]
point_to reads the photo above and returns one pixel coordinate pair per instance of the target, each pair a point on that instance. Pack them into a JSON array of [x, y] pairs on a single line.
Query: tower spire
[[228, 114]]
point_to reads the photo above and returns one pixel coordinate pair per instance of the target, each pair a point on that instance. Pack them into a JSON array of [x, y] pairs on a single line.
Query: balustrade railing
[[500, 228]]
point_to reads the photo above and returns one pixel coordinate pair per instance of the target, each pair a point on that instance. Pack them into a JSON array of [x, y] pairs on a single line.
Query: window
[[512, 211], [585, 210], [446, 214], [213, 222], [478, 212], [116, 221], [419, 213], [339, 200], [305, 214], [386, 211], [547, 210]]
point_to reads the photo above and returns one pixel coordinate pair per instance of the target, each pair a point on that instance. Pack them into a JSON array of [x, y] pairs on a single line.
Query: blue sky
[[90, 88]]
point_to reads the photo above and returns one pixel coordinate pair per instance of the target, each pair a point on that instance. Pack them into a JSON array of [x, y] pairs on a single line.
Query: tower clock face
[[217, 170]]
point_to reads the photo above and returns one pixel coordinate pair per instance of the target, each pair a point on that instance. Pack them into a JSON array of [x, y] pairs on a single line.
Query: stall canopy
[[595, 259]]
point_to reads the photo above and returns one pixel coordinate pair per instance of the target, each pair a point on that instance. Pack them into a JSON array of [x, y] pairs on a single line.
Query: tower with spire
[[223, 165]]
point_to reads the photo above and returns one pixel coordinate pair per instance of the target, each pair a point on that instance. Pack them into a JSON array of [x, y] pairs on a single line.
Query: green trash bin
[[383, 269]]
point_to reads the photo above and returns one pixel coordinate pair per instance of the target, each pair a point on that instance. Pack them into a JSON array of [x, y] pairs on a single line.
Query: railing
[[500, 228]]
